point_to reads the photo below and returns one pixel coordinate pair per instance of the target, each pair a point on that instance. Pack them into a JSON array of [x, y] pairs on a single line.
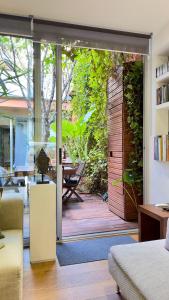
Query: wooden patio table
[[68, 171]]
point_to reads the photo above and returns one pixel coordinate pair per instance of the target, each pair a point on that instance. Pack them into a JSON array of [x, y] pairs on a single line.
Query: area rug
[[88, 250]]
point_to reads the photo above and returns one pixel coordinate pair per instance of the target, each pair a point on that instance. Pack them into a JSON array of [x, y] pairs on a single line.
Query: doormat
[[88, 250]]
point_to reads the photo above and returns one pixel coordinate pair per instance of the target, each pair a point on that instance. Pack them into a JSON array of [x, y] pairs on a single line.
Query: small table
[[152, 222]]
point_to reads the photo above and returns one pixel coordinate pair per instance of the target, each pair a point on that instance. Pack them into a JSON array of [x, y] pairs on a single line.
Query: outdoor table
[[69, 171], [23, 171]]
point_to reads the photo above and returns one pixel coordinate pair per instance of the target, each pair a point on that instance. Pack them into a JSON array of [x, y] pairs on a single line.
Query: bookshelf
[[163, 106], [161, 136], [164, 78], [157, 117]]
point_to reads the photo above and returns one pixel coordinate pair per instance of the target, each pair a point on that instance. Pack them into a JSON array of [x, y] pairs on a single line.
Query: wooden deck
[[91, 216]]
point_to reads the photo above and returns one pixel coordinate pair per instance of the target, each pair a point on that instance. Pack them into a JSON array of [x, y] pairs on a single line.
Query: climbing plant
[[89, 83], [133, 97]]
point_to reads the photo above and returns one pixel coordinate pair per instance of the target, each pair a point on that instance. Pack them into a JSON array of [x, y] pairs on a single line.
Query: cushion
[[71, 181], [2, 245], [11, 265], [127, 288], [1, 235], [146, 265], [167, 237]]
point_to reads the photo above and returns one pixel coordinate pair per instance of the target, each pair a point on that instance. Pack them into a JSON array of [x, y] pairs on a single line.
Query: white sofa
[[141, 270], [11, 256]]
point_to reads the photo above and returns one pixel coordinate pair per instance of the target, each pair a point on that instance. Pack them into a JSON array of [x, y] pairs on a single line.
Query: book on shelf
[[164, 68], [161, 148], [162, 94]]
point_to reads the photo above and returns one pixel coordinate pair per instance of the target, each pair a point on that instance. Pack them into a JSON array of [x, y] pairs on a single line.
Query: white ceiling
[[144, 16]]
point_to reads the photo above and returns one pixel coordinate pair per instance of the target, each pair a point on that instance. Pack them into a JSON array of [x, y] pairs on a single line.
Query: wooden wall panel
[[119, 148], [115, 144]]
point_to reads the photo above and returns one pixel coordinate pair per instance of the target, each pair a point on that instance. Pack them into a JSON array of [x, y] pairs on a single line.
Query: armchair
[[11, 255], [11, 212]]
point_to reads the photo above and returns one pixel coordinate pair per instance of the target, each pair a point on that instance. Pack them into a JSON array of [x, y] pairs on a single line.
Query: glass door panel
[[16, 117], [30, 115]]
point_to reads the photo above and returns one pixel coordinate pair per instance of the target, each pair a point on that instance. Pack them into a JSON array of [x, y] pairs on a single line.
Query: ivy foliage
[[89, 82], [74, 137], [133, 97]]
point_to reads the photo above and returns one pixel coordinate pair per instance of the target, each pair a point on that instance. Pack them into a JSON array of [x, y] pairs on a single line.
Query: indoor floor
[[87, 281]]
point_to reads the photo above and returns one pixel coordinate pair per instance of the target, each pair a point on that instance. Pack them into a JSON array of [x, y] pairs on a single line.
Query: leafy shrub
[[96, 171]]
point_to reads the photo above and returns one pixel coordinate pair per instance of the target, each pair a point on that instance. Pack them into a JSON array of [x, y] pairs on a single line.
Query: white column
[[42, 222]]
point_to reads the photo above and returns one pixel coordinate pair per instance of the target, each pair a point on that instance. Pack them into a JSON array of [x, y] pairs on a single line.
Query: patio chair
[[7, 180], [71, 183]]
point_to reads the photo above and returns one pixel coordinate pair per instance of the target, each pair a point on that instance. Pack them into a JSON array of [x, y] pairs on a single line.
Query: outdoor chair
[[7, 180], [71, 183]]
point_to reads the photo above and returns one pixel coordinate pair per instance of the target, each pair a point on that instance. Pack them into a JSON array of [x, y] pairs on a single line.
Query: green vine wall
[[133, 97]]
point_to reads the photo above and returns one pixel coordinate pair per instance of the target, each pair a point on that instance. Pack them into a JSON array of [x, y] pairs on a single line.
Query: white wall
[[161, 41]]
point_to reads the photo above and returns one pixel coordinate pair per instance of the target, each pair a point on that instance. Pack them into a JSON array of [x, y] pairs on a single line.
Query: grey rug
[[88, 250]]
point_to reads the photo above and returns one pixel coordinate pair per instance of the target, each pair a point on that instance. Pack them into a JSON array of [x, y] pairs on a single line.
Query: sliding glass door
[[16, 117], [47, 110], [34, 88], [30, 116]]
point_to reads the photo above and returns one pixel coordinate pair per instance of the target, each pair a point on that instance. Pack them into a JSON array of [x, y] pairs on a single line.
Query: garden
[[85, 76]]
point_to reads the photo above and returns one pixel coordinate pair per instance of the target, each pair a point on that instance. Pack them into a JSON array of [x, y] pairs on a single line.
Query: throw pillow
[[167, 237], [2, 245]]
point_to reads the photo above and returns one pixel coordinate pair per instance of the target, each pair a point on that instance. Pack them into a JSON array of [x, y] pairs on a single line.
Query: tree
[[16, 75]]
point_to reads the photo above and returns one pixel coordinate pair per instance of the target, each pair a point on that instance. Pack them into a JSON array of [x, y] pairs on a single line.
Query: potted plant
[[130, 180]]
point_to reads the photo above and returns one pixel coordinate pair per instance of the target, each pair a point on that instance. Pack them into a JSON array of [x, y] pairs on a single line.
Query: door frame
[[38, 123], [59, 142]]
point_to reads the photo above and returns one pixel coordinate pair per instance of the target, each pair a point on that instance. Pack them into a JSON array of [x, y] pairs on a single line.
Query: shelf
[[163, 78], [163, 106]]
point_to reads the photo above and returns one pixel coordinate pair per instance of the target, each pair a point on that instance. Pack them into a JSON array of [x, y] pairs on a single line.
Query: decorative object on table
[[42, 163], [164, 206]]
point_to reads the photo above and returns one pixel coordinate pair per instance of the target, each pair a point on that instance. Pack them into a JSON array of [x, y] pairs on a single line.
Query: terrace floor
[[91, 216]]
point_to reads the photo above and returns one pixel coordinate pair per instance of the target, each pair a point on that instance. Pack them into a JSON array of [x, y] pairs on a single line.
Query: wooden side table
[[152, 222]]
